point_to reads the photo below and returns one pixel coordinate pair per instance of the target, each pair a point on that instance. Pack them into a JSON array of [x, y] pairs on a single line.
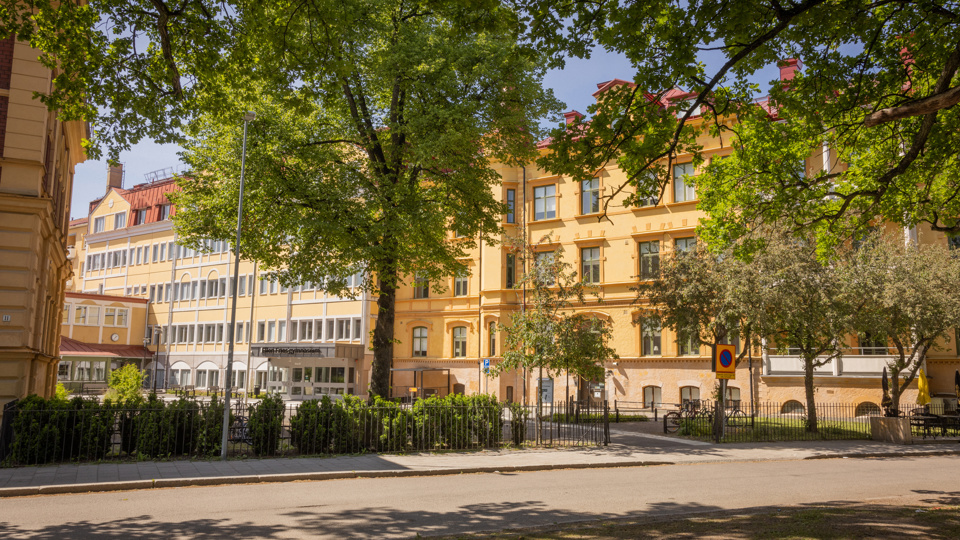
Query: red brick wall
[[6, 61]]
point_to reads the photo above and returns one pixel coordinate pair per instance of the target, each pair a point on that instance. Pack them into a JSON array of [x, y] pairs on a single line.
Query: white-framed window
[[590, 264], [261, 331], [156, 252], [687, 343], [329, 334], [683, 189], [459, 341], [649, 259], [590, 196], [420, 341], [545, 202], [650, 337], [120, 220], [543, 266], [271, 331], [651, 396], [689, 393], [343, 329], [685, 245], [460, 285], [282, 334], [164, 212], [140, 216], [492, 336], [356, 329], [421, 287], [99, 224]]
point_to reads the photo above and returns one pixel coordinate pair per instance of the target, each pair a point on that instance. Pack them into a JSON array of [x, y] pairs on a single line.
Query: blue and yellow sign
[[725, 362]]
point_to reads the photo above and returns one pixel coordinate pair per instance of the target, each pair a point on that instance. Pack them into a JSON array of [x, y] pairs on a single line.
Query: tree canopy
[[876, 87], [377, 127]]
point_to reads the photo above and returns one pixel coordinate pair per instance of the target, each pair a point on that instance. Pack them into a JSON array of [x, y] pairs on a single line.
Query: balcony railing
[[855, 362]]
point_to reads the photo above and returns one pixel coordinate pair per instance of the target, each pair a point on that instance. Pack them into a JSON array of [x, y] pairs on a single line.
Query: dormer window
[[164, 212], [140, 216]]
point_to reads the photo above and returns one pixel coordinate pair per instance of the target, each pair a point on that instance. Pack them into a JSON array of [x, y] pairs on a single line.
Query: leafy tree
[[702, 294], [126, 383], [877, 88], [377, 126], [910, 298], [550, 335], [802, 306]]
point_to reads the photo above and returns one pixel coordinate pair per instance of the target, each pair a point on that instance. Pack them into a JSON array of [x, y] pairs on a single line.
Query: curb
[[315, 476], [100, 487]]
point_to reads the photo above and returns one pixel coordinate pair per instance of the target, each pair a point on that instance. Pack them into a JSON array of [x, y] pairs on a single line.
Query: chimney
[[789, 68], [115, 176], [572, 116]]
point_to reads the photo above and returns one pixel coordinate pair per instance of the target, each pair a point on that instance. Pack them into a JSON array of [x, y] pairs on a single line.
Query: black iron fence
[[37, 431], [764, 422]]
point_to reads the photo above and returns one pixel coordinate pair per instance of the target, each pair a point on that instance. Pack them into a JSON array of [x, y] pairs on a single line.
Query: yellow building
[[446, 337], [100, 333], [298, 341], [38, 154]]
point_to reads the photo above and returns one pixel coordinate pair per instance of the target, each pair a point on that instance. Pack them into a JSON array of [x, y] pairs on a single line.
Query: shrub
[[210, 431], [310, 426], [61, 392], [159, 429], [60, 430], [126, 382], [518, 424], [266, 425]]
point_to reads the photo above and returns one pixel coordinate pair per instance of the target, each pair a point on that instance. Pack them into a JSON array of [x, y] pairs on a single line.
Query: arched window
[[868, 409], [793, 407], [651, 397], [688, 393], [420, 341], [459, 341]]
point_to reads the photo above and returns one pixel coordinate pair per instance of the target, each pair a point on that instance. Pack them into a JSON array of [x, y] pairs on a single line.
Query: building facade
[[38, 153], [304, 343], [298, 341]]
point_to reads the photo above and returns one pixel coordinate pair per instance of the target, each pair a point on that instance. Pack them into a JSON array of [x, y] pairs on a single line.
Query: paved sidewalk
[[72, 478]]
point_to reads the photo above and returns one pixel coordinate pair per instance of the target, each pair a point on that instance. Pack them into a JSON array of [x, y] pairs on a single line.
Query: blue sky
[[572, 85]]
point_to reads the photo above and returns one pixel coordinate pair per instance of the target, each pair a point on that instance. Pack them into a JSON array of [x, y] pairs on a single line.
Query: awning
[[72, 347]]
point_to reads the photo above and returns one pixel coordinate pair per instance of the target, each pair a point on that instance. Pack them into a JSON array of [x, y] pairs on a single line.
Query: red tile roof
[[75, 222], [115, 298], [72, 347], [150, 196]]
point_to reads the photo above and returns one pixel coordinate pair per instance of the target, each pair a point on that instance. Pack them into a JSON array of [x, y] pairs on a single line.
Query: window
[[282, 334], [459, 341], [543, 266], [688, 393], [511, 280], [728, 340], [868, 409], [156, 251], [511, 206], [650, 335], [263, 285], [685, 245], [356, 329], [421, 287], [163, 252], [649, 260], [651, 397], [99, 224], [590, 264], [261, 329], [242, 286], [66, 314], [140, 216], [460, 284], [871, 345], [792, 407], [590, 196], [164, 212], [271, 331], [687, 344], [544, 202], [329, 336], [153, 290], [274, 283], [732, 394], [306, 330], [120, 220], [682, 185], [492, 347], [420, 341], [343, 329]]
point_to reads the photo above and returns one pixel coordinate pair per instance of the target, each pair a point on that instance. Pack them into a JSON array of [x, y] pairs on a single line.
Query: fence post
[[606, 423], [6, 428]]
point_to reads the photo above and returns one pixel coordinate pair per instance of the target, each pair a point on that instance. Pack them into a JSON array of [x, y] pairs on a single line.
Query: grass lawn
[[810, 522]]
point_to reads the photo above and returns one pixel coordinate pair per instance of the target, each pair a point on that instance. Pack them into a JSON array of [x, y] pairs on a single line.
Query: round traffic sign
[[726, 359]]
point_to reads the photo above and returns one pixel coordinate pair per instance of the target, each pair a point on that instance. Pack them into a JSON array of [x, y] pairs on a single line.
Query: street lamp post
[[146, 341], [228, 384]]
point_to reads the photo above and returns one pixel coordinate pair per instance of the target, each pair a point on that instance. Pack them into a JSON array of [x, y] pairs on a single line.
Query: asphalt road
[[402, 507]]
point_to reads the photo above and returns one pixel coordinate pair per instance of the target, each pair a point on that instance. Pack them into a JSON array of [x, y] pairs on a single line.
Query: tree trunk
[[383, 339], [895, 390], [808, 388]]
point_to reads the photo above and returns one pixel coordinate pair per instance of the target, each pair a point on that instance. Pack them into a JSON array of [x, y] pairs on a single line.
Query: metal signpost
[[725, 365]]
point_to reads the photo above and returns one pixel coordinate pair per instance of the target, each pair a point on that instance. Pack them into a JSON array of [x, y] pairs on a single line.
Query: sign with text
[[725, 362], [486, 365]]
